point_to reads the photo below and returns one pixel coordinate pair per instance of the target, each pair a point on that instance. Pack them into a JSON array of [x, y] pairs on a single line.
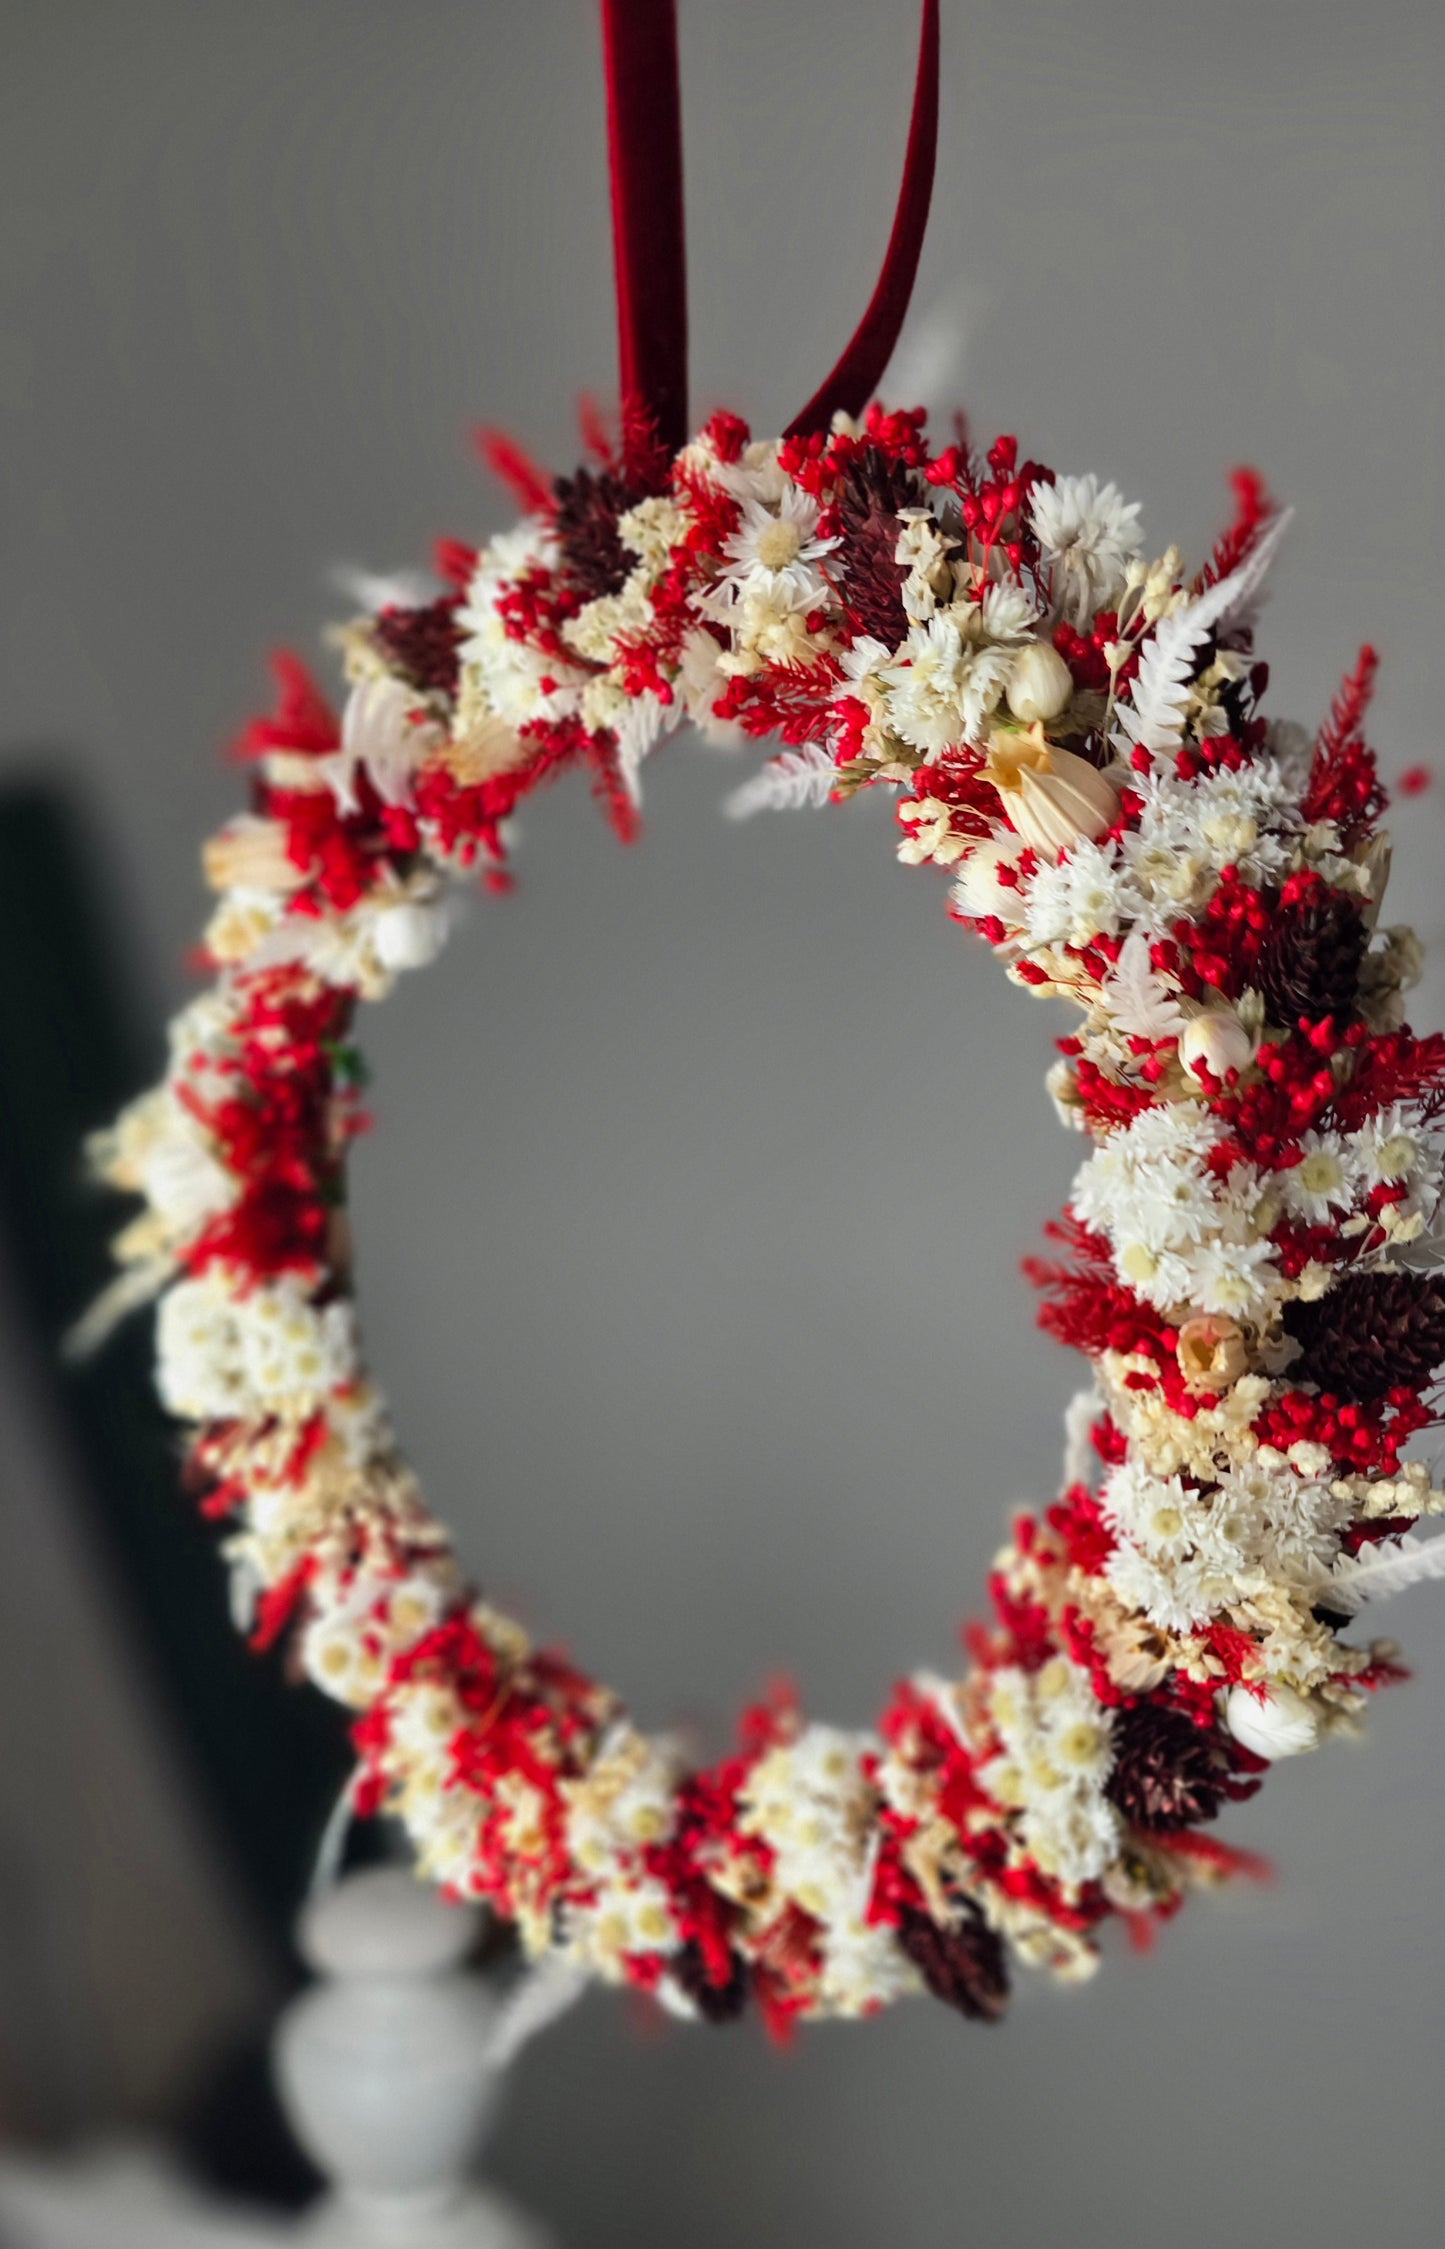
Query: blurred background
[[690, 1240]]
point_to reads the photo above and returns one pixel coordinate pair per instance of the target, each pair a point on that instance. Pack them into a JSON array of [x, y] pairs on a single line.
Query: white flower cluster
[[810, 1801], [1181, 1235], [226, 1356], [1054, 1757]]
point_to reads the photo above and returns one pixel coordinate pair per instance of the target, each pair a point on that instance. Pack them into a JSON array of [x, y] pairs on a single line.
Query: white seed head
[[1282, 1725]]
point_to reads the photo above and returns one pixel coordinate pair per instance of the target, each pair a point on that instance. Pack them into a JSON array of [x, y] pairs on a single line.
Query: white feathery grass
[[1355, 1580], [793, 781], [1152, 717]]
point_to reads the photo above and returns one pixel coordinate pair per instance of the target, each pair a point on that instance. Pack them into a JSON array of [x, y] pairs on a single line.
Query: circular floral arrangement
[[1071, 730]]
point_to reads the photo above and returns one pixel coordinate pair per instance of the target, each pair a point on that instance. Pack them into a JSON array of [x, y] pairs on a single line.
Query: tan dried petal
[[1053, 798], [1211, 1351]]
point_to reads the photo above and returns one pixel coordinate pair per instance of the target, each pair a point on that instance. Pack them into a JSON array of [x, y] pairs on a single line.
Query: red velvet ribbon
[[860, 370], [644, 147]]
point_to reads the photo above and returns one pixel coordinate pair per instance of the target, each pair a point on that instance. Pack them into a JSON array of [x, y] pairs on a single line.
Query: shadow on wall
[[163, 1791]]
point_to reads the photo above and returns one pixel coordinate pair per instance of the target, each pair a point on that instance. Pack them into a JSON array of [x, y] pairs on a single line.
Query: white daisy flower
[[1322, 1182], [781, 541]]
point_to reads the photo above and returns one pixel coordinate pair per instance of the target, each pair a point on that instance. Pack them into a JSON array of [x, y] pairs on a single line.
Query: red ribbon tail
[[644, 145], [860, 370]]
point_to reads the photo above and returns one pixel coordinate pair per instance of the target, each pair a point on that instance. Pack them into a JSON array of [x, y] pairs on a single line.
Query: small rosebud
[[1040, 684], [1215, 1041], [1211, 1351], [1282, 1725], [1052, 798]]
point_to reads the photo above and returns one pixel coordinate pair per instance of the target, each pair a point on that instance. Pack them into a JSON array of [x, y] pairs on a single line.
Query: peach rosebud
[[1211, 1351], [1052, 797]]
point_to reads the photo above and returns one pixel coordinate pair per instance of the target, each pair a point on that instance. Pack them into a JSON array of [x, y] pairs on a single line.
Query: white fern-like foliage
[[1355, 1579], [1140, 1004], [1152, 717], [793, 781]]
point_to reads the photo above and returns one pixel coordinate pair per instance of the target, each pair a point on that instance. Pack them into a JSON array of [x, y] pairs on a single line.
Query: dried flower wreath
[[1074, 732]]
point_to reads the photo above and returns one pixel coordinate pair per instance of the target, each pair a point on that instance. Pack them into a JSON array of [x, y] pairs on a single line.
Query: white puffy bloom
[[1233, 1274], [1150, 1184], [198, 1359], [1279, 1521], [222, 1354], [1248, 818], [1008, 612], [1080, 897], [291, 1350], [1278, 1723], [1177, 1594], [944, 686], [1090, 535], [767, 620], [385, 734], [411, 934]]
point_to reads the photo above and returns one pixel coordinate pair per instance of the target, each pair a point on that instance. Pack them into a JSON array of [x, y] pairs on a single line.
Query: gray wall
[[689, 1242]]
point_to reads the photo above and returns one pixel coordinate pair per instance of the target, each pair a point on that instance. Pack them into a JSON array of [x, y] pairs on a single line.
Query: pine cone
[[1309, 964], [1372, 1332], [716, 2003], [964, 1966], [595, 562], [869, 578], [423, 644], [1168, 1773]]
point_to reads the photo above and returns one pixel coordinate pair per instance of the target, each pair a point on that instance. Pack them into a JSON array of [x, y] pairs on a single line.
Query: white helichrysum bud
[[1052, 798], [1040, 684], [1282, 1725], [409, 935], [981, 889], [1215, 1041]]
